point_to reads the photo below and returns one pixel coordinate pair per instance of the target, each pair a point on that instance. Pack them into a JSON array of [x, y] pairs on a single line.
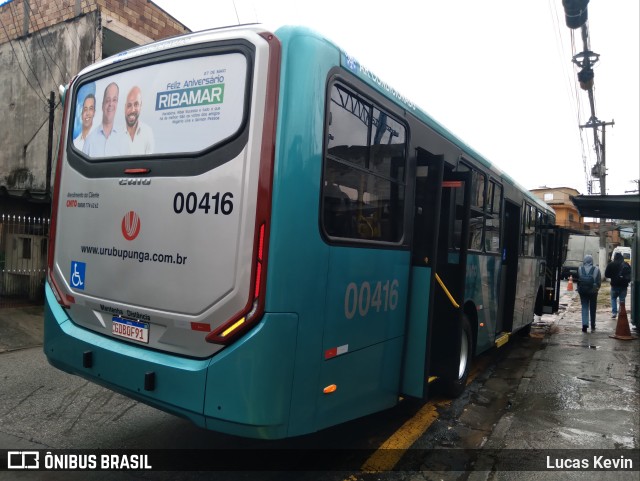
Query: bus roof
[[363, 73], [347, 61]]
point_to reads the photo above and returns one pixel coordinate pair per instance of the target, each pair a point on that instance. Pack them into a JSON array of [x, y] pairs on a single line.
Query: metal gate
[[24, 244]]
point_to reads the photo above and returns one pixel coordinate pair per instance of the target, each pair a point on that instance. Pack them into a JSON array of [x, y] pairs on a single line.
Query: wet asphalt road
[[556, 389]]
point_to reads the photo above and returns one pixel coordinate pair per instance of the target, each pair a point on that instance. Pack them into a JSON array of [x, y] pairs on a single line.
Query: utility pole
[[585, 60], [600, 169], [576, 15]]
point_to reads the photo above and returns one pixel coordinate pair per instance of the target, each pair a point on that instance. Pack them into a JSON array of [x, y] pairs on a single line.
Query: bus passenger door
[[424, 261], [449, 288], [509, 277], [554, 241]]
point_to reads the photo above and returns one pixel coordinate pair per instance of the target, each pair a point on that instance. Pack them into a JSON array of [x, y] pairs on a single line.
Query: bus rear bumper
[[244, 390], [122, 367]]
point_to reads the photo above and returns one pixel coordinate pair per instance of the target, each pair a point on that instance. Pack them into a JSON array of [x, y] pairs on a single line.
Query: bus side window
[[364, 170], [337, 211], [492, 229], [528, 230], [476, 220], [457, 234], [538, 234]]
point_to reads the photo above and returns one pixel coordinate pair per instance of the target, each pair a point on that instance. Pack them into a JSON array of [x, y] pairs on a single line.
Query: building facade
[[43, 44], [559, 199], [568, 217]]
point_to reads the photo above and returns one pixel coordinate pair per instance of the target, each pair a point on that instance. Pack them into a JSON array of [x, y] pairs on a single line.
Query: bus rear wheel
[[455, 387]]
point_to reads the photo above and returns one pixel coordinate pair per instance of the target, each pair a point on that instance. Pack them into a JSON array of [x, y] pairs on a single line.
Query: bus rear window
[[181, 106]]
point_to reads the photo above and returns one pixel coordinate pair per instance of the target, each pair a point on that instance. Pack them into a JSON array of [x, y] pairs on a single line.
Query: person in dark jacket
[[589, 300], [620, 274]]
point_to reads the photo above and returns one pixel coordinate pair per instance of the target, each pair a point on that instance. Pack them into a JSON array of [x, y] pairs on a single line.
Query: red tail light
[[259, 262], [229, 331], [241, 323], [253, 311]]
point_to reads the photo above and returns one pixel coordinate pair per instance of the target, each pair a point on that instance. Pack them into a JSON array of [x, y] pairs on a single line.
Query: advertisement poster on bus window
[[175, 107]]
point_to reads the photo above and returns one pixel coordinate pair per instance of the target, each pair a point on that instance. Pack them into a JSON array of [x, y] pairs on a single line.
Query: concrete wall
[[142, 16], [30, 68]]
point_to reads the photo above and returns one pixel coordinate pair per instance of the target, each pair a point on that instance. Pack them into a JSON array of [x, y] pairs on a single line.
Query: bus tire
[[455, 387]]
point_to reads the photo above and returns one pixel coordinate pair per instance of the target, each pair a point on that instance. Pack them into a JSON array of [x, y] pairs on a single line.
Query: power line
[[43, 98], [585, 60], [569, 84], [71, 37], [586, 152], [26, 57], [38, 34]]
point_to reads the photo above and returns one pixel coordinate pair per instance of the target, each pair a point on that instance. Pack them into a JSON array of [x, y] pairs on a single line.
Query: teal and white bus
[[260, 235]]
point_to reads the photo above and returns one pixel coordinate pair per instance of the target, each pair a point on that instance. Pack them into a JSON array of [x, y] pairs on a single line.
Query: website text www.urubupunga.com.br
[[140, 256]]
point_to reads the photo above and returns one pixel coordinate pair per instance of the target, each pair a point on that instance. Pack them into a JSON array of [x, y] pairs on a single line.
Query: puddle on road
[[585, 346]]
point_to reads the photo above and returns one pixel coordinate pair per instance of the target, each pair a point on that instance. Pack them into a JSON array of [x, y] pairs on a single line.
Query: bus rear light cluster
[[65, 300], [255, 307], [259, 262], [229, 331], [56, 291], [233, 327]]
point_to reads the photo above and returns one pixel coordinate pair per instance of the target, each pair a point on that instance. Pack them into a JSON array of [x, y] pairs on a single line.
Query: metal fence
[[24, 244]]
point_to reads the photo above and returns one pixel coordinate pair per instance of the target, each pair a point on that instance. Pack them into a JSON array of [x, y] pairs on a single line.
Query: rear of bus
[[160, 227]]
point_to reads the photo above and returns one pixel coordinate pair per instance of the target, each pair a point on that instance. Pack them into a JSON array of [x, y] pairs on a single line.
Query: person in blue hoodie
[[589, 281]]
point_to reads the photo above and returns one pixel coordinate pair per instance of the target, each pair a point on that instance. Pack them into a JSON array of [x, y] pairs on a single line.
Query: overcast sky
[[497, 73]]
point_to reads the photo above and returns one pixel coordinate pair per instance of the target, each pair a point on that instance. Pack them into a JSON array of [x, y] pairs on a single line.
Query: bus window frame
[[368, 95], [488, 210], [174, 164], [478, 210], [531, 229], [493, 214]]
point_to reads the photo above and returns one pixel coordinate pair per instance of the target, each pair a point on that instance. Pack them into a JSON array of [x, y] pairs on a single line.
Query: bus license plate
[[130, 329]]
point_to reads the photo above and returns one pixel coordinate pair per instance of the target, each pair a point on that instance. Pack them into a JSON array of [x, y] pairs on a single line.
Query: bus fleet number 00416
[[365, 297], [190, 203]]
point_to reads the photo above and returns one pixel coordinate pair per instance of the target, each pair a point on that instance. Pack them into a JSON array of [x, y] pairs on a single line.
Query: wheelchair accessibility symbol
[[77, 274]]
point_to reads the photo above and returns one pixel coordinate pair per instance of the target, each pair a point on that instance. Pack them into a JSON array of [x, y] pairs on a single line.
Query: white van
[[625, 251]]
